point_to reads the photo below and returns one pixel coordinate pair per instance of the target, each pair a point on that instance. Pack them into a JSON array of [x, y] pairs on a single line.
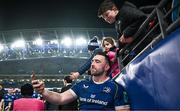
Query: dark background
[[28, 14]]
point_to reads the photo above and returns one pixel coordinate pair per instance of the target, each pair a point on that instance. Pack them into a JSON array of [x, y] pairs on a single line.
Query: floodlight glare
[[67, 41], [54, 42], [38, 41], [1, 47], [18, 44], [81, 41]]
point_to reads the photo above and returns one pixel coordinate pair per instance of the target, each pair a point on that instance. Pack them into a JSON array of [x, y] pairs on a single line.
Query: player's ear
[[107, 67]]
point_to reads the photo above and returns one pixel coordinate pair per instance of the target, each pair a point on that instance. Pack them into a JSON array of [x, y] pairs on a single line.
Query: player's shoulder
[[87, 80], [114, 84]]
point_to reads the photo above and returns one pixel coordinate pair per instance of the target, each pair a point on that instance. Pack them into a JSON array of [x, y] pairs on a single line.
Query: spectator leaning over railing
[[124, 14], [126, 17]]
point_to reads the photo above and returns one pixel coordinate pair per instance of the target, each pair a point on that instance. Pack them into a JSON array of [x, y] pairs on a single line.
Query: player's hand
[[38, 85], [33, 77], [74, 75]]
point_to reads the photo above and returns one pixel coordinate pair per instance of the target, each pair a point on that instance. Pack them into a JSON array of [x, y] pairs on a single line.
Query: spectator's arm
[[87, 64], [74, 75], [133, 28], [125, 40]]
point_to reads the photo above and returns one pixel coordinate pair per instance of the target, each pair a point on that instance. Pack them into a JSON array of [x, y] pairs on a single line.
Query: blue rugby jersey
[[92, 96]]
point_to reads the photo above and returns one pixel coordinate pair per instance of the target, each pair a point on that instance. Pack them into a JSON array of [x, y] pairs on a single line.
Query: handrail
[[161, 22], [156, 40]]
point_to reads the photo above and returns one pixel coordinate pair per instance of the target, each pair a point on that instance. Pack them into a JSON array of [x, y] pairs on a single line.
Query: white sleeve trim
[[122, 107], [73, 93]]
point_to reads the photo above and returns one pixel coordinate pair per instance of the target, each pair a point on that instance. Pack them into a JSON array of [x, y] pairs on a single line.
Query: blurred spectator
[[9, 97], [27, 102], [72, 105], [1, 98], [2, 92]]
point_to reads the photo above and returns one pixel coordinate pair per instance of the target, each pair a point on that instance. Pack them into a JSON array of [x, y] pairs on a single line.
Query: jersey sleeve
[[75, 89], [120, 98]]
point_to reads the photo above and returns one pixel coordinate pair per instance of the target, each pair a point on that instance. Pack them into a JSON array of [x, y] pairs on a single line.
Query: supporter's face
[[98, 65], [109, 16], [107, 46]]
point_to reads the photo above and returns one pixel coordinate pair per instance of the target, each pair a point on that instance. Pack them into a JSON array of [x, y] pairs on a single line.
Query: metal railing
[[162, 20]]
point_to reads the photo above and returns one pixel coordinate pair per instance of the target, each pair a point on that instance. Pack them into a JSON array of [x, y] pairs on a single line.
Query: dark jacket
[[129, 19]]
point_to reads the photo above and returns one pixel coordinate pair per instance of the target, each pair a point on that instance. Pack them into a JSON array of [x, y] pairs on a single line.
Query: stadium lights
[[67, 41], [18, 44], [38, 41], [1, 47], [54, 42], [81, 41]]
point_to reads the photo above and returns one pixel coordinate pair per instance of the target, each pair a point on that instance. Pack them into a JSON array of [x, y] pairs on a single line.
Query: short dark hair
[[107, 60], [68, 79], [105, 55], [108, 5], [104, 6], [27, 90]]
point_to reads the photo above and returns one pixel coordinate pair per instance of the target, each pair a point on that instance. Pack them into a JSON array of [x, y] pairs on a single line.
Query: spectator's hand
[[38, 85], [126, 40], [74, 75]]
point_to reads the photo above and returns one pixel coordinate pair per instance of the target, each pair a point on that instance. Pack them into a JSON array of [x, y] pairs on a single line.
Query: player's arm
[[58, 98], [121, 102], [124, 108], [53, 97]]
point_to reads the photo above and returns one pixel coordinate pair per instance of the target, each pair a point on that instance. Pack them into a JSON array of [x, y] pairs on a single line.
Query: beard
[[94, 72]]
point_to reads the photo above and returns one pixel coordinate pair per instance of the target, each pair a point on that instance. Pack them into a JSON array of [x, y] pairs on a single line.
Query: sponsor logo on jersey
[[93, 101], [107, 89], [93, 96], [85, 86]]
